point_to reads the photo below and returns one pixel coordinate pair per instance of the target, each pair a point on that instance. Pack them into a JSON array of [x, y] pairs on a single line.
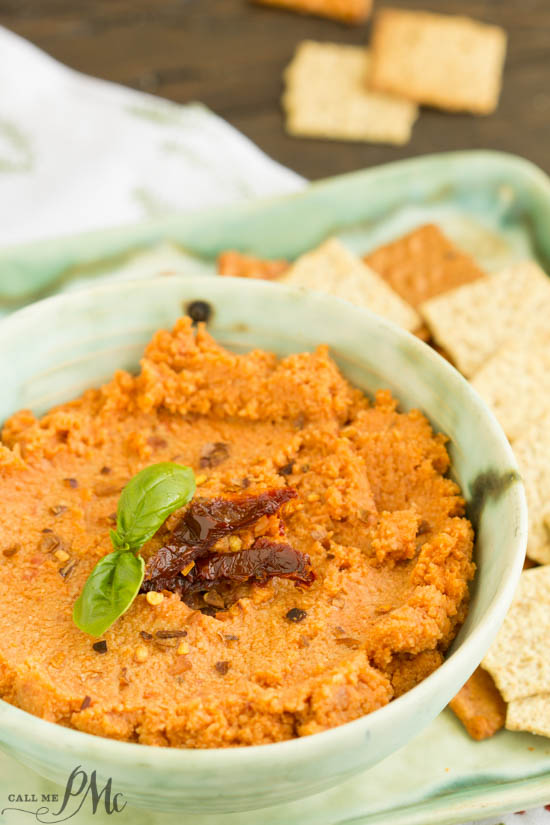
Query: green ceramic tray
[[497, 207]]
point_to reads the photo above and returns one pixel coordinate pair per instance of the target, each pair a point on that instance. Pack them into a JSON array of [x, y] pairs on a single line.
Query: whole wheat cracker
[[326, 97], [348, 11], [519, 658], [515, 382], [530, 714], [422, 264], [474, 320], [334, 269], [532, 451], [234, 264], [479, 706], [453, 63]]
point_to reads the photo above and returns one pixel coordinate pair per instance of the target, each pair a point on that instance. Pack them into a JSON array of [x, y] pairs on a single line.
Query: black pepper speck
[[199, 311], [296, 615]]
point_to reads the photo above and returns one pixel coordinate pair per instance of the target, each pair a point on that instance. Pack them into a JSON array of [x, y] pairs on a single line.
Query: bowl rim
[[48, 734]]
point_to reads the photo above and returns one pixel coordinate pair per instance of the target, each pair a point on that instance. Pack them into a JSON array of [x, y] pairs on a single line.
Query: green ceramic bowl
[[53, 350]]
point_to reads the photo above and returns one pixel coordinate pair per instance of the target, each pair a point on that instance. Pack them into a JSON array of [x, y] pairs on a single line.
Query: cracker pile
[[519, 659], [333, 269], [415, 58], [473, 322], [495, 328]]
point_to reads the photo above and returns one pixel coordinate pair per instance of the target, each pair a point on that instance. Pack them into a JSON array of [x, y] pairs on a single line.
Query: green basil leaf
[[147, 501], [109, 591]]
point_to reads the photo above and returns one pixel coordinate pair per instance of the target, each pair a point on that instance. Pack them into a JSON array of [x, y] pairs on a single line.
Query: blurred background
[[230, 55]]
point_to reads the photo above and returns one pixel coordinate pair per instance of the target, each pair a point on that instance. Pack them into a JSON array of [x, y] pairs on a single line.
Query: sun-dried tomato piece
[[205, 522], [264, 560], [223, 574]]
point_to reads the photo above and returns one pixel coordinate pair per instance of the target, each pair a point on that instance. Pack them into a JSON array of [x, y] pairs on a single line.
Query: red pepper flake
[[300, 422], [296, 614], [103, 489], [86, 702], [100, 647], [222, 667], [112, 518], [181, 665], [286, 469], [245, 483], [145, 635], [58, 509], [11, 551], [213, 454], [348, 642], [170, 634], [105, 471], [213, 598], [70, 482], [49, 542], [47, 530], [230, 637], [66, 571], [157, 442]]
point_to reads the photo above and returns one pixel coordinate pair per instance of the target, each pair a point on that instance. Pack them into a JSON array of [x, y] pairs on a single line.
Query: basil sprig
[[144, 505]]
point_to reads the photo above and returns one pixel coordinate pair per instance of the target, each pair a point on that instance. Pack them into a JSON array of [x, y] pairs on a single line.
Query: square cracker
[[532, 451], [531, 714], [479, 706], [440, 60], [515, 383], [236, 264], [423, 264], [349, 11], [334, 269], [326, 96], [474, 320], [519, 658]]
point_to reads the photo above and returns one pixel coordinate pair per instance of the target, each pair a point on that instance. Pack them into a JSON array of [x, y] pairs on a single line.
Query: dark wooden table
[[230, 55]]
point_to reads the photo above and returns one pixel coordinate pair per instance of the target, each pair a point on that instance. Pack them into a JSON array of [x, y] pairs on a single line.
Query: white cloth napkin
[[77, 153]]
